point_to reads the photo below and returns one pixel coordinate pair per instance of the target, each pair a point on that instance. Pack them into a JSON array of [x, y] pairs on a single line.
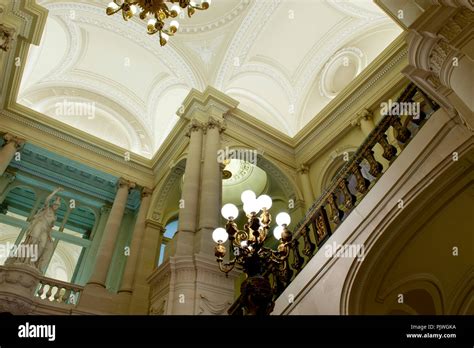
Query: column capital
[[121, 182], [146, 192], [9, 175], [105, 209], [215, 123], [194, 126], [17, 141], [303, 168], [363, 115]]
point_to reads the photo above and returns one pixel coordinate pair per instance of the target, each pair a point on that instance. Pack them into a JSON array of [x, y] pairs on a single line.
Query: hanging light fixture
[[249, 253], [157, 11], [226, 173]]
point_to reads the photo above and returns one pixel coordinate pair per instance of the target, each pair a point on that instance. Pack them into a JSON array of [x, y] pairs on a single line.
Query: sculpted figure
[[38, 241]]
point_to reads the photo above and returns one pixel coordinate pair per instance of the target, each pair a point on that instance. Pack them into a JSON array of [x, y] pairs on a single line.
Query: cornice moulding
[[385, 69], [386, 60], [211, 97]]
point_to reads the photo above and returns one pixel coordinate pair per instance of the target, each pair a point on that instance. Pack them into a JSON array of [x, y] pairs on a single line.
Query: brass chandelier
[[249, 253], [157, 11]]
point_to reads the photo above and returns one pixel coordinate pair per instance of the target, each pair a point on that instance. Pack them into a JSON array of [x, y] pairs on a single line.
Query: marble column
[[308, 194], [138, 231], [7, 152], [211, 189], [189, 204], [109, 238]]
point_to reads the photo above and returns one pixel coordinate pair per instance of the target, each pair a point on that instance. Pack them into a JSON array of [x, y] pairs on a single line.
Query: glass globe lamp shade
[[113, 6], [277, 231], [174, 26], [251, 207], [283, 219], [229, 211], [264, 201], [247, 196], [175, 10], [220, 235]]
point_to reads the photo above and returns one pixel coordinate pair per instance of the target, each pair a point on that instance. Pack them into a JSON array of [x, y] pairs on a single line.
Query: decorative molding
[[362, 115], [352, 54], [206, 306], [214, 123], [251, 26], [303, 169], [194, 126], [18, 142], [6, 37], [121, 182], [313, 132]]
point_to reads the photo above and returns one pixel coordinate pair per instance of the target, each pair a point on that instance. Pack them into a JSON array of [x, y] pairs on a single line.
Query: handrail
[[326, 213]]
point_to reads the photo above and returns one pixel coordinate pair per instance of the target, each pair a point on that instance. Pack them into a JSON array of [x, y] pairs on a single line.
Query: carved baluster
[[418, 98], [297, 258], [426, 99], [389, 151], [57, 294], [362, 182], [322, 226], [39, 291], [336, 213], [403, 133], [50, 291], [349, 198], [308, 244], [375, 167], [66, 295]]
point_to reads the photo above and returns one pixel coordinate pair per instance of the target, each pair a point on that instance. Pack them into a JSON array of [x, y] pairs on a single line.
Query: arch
[[15, 185], [160, 196], [462, 301], [386, 248], [334, 162], [422, 292]]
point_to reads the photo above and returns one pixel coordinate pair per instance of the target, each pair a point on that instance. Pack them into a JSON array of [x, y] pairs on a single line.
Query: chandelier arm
[[226, 267]]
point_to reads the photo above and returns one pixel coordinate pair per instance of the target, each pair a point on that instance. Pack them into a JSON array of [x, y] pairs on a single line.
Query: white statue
[[38, 239]]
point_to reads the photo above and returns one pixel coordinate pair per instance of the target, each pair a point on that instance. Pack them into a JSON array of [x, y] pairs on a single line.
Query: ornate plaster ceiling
[[245, 176], [283, 60]]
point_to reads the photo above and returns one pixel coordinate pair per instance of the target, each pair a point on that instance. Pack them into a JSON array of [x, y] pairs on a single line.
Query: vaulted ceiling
[[283, 60]]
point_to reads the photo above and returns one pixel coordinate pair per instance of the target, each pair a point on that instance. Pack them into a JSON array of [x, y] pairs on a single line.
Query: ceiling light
[[159, 11]]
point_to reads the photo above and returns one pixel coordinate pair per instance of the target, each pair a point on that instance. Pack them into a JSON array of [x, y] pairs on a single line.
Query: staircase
[[349, 187]]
